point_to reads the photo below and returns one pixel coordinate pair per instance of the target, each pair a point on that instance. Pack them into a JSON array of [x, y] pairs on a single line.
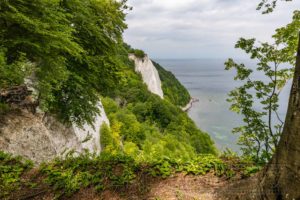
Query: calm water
[[207, 81]]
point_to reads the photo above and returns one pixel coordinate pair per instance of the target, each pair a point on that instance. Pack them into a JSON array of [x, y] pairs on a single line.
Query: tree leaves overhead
[[288, 37], [73, 45], [263, 126], [268, 6]]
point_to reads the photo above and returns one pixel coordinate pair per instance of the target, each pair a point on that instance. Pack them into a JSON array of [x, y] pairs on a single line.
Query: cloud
[[199, 28]]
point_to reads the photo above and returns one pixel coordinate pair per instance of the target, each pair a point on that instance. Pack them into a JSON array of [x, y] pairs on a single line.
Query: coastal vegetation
[[173, 90]]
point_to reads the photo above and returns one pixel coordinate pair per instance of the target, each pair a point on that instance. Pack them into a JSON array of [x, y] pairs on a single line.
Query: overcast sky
[[200, 28]]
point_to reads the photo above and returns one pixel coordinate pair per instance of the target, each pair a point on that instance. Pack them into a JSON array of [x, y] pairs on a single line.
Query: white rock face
[[90, 134], [149, 74], [41, 137]]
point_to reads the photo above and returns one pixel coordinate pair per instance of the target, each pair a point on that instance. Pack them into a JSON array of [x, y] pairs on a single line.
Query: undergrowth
[[107, 171], [11, 169], [102, 172]]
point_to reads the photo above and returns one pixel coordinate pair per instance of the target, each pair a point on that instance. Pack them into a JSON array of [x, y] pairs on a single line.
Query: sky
[[185, 29]]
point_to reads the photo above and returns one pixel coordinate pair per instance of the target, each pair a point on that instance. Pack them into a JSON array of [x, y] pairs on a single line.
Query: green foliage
[[268, 6], [287, 38], [244, 166], [162, 168], [14, 73], [25, 29], [151, 128], [154, 129], [249, 171], [110, 138], [11, 170], [139, 53], [106, 138], [103, 171], [173, 90], [263, 126], [203, 164], [107, 171], [74, 48]]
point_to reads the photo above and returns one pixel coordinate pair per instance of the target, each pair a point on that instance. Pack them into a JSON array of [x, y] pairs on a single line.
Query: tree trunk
[[281, 178]]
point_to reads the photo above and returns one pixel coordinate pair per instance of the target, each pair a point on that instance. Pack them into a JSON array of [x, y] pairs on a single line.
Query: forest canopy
[[71, 47]]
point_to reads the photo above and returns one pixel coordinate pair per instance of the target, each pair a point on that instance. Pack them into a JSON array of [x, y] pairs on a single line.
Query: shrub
[[139, 53], [11, 170], [103, 171]]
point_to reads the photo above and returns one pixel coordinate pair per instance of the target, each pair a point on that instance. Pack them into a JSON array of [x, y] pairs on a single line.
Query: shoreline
[[189, 105]]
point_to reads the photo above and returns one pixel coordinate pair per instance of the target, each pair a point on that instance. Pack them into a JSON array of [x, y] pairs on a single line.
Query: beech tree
[[71, 46]]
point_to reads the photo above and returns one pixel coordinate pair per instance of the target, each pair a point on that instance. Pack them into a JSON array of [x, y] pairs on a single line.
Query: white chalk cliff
[[149, 74], [91, 133], [41, 137]]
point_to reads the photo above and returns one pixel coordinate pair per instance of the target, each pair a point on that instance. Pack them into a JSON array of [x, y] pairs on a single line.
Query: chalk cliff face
[[149, 74], [41, 137], [91, 133]]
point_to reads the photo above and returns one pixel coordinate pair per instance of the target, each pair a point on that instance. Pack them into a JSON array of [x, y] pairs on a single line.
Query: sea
[[208, 81]]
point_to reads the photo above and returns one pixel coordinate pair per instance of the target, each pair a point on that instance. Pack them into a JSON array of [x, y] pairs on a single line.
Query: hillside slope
[[173, 90]]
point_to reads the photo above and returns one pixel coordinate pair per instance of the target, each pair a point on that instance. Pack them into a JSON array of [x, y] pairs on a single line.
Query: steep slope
[[149, 74], [173, 90]]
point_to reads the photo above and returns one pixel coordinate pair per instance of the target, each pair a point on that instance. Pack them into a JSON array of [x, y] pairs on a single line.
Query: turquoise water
[[207, 81]]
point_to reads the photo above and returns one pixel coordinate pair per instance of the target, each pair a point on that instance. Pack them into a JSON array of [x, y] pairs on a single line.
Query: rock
[[149, 74], [41, 137]]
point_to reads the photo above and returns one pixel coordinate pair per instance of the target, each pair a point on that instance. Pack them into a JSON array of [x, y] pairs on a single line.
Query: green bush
[[74, 60], [103, 171], [139, 53], [11, 170]]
